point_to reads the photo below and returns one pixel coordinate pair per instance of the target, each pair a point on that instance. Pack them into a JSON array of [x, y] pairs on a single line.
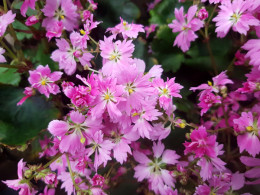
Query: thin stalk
[[71, 173], [5, 5], [8, 50], [52, 160], [93, 40], [8, 66]]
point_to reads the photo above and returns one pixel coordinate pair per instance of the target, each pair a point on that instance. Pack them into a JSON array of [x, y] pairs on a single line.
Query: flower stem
[[5, 5], [52, 160], [12, 55], [93, 40], [8, 66], [71, 173]]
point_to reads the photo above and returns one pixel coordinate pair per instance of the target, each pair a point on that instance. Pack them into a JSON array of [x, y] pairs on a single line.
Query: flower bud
[[203, 14], [32, 20]]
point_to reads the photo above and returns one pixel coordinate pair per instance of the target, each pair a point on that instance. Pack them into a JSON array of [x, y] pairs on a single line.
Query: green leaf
[[172, 62], [9, 76], [21, 35], [18, 124]]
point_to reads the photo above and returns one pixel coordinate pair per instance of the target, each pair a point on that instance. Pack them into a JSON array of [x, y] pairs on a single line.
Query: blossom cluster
[[118, 116]]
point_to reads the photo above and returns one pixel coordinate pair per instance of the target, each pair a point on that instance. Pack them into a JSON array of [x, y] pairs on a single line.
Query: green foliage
[[9, 76], [18, 124]]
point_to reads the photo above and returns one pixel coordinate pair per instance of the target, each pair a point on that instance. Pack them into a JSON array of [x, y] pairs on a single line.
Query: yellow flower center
[[62, 17], [82, 140], [165, 91], [130, 91], [135, 114], [210, 83], [82, 32], [182, 125], [107, 97], [249, 128], [112, 57], [43, 82], [124, 23]]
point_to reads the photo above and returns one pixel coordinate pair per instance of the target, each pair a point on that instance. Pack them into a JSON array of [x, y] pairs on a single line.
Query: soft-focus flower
[[187, 25], [234, 14], [2, 58], [44, 81], [203, 14], [127, 30], [31, 20], [150, 29], [28, 92], [27, 4], [154, 170], [5, 20]]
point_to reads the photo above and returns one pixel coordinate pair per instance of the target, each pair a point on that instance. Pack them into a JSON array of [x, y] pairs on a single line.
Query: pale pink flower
[[55, 30], [44, 81], [110, 94], [101, 147], [234, 14], [48, 191], [63, 11], [115, 55], [187, 25], [67, 55], [27, 4], [2, 58], [127, 30], [253, 47], [5, 20], [154, 170], [166, 91]]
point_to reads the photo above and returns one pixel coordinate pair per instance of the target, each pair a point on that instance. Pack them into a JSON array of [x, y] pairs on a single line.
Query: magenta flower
[[187, 25], [20, 184], [150, 29], [201, 143], [2, 58], [115, 55], [127, 30], [235, 15], [203, 14], [43, 80], [250, 129], [32, 20], [154, 169], [101, 147], [63, 11], [28, 92], [5, 20], [26, 4]]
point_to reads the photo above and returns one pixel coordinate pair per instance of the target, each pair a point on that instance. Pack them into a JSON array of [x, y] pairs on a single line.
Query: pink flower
[[67, 55], [240, 58], [150, 29], [207, 100], [250, 128], [203, 14], [73, 132], [166, 91], [98, 180], [253, 47], [32, 20], [26, 4], [115, 55], [127, 30], [43, 80], [154, 169], [20, 183], [201, 143], [101, 147], [55, 30], [254, 172], [60, 11], [2, 58], [109, 96], [235, 15], [28, 91], [186, 25], [5, 20]]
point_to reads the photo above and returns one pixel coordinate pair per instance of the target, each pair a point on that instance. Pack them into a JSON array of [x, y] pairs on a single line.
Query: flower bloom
[[235, 15], [20, 183], [26, 4], [154, 170], [250, 129], [5, 20], [187, 25], [2, 58], [127, 30], [32, 20], [43, 80]]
